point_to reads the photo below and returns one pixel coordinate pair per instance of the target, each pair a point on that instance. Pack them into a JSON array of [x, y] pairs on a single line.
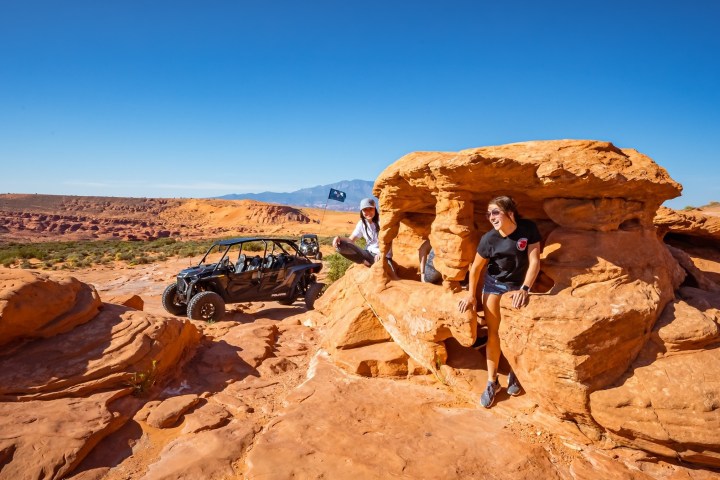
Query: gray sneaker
[[488, 396], [514, 388]]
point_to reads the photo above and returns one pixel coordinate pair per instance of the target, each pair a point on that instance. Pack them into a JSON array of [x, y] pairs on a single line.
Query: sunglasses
[[493, 213]]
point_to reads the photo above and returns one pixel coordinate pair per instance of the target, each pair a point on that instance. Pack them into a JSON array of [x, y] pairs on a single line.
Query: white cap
[[367, 203]]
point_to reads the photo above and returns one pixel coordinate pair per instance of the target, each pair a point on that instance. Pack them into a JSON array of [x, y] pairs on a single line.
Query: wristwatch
[[526, 288]]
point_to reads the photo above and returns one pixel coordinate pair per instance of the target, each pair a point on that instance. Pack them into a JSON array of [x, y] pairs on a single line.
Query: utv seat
[[281, 260], [241, 264], [255, 263], [269, 261]]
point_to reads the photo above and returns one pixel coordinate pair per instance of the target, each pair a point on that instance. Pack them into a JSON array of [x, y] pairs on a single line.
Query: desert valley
[[618, 349]]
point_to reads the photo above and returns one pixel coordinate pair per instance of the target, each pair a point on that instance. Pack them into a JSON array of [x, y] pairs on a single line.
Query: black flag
[[336, 195]]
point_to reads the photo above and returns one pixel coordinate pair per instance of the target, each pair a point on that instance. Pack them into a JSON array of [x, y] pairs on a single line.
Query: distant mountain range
[[315, 197]]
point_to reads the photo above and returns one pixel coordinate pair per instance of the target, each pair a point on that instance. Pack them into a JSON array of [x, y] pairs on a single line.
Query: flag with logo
[[336, 195]]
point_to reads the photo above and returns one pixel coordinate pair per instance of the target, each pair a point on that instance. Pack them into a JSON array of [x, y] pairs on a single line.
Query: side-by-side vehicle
[[243, 270]]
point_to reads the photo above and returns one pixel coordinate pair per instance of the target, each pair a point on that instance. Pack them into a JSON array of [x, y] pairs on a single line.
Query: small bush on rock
[[337, 266]]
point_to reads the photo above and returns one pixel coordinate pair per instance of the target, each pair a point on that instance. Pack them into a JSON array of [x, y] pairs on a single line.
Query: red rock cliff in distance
[[599, 345]]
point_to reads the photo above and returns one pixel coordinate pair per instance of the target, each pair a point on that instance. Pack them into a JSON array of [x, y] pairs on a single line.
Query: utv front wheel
[[318, 256], [172, 303], [312, 294], [208, 306]]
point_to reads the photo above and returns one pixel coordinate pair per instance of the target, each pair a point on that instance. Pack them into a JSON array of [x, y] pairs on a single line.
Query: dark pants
[[432, 275], [354, 253]]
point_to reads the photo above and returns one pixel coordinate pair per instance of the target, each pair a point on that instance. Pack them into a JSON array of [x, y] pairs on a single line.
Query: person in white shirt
[[367, 227]]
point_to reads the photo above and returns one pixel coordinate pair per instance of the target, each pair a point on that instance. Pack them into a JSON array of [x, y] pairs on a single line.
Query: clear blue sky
[[198, 99]]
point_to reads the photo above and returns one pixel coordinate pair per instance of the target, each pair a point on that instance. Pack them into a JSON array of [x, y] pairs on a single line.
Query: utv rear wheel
[[313, 292], [172, 303], [208, 306]]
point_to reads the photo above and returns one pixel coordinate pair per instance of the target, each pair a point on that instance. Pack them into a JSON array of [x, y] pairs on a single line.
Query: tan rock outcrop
[[606, 276], [209, 454], [61, 388], [668, 402], [79, 361], [129, 300], [33, 305], [167, 413], [65, 430], [693, 224]]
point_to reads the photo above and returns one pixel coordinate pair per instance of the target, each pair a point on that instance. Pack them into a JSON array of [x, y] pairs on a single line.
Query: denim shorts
[[493, 286]]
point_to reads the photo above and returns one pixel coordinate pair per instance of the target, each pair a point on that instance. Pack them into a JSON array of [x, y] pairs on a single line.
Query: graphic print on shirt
[[522, 244]]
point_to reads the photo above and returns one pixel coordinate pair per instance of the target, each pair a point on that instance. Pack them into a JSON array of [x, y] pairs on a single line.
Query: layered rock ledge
[[67, 368]]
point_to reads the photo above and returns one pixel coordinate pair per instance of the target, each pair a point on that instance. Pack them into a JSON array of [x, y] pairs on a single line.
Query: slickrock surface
[[47, 439], [355, 428]]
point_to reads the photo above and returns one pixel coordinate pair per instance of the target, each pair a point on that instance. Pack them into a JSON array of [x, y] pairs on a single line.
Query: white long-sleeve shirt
[[368, 231]]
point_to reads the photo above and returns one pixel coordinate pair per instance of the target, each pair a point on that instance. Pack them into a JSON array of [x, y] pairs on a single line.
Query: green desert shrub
[[337, 265], [77, 254]]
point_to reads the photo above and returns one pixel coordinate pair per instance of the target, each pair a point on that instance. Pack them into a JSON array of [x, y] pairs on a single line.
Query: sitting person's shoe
[[480, 341], [514, 388], [488, 396]]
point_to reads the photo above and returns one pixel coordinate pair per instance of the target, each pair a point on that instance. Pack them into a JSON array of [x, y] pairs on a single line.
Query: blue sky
[[199, 99]]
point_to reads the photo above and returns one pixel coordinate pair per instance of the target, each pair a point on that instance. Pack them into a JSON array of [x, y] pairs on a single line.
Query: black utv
[[310, 246], [243, 270]]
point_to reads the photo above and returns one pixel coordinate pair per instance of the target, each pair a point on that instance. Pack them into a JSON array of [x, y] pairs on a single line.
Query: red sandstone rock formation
[[606, 279], [688, 224], [66, 367], [33, 305], [52, 217]]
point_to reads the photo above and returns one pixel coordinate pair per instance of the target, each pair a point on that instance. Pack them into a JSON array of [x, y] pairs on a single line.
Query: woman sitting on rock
[[511, 252], [367, 227]]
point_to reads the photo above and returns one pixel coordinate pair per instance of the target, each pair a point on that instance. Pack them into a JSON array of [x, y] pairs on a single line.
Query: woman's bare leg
[[491, 307]]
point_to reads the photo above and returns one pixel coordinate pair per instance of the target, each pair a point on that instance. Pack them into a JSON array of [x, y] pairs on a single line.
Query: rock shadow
[[49, 366]]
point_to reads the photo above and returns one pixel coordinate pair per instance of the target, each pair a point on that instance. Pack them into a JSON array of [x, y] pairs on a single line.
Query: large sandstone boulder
[[668, 401], [34, 305], [606, 275], [62, 385], [364, 337]]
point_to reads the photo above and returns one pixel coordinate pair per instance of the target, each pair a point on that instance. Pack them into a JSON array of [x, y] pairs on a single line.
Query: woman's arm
[[475, 269], [520, 297]]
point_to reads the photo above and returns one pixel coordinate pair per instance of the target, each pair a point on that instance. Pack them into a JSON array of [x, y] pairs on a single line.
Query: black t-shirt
[[508, 256]]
